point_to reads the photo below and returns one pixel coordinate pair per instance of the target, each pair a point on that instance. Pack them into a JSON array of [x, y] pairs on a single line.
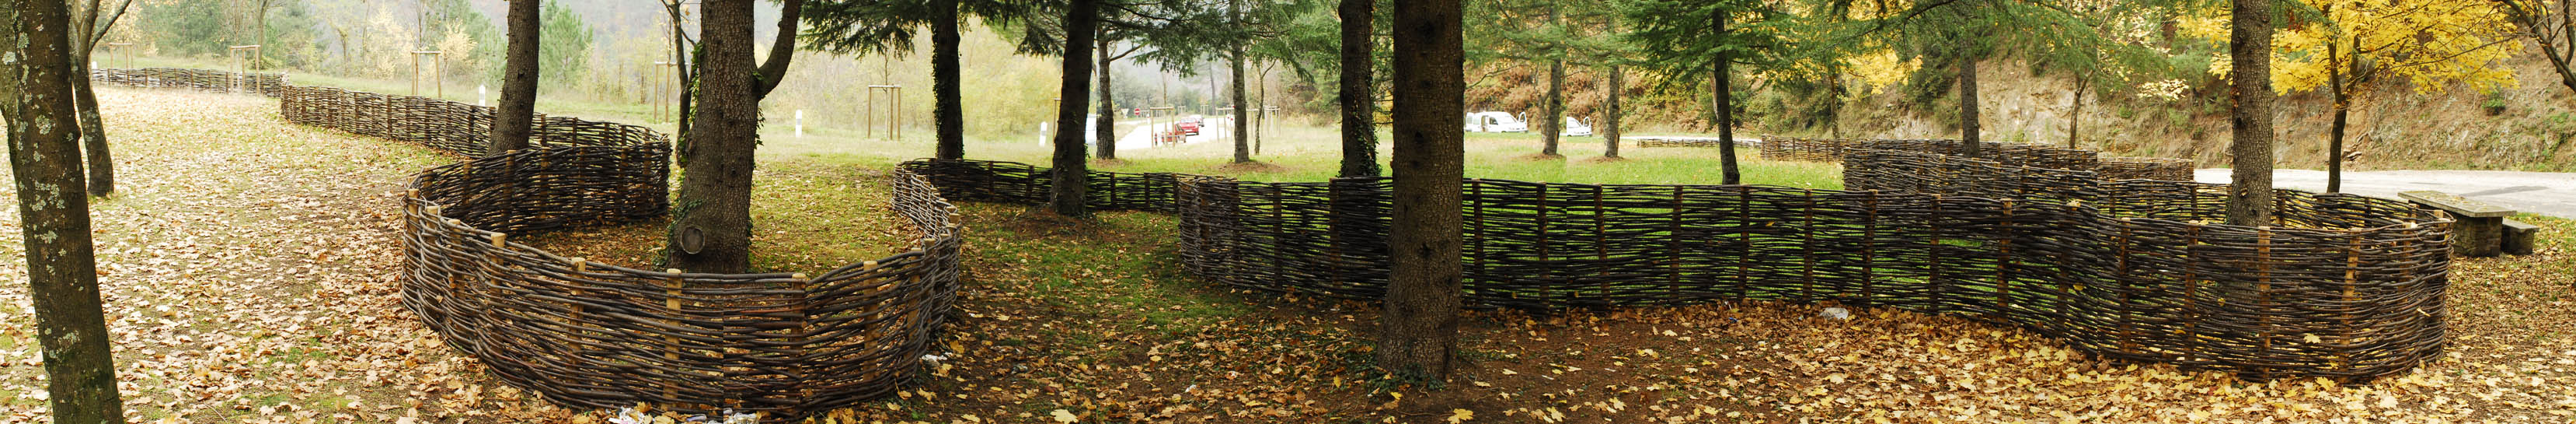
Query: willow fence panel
[[2346, 287], [597, 335], [2016, 154], [266, 84]]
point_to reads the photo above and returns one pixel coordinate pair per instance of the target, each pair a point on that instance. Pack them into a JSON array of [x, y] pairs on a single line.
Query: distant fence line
[[2345, 287], [596, 335], [266, 84], [2020, 154]]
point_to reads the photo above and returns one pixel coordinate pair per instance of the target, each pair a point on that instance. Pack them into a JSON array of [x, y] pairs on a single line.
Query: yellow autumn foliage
[[2430, 43]]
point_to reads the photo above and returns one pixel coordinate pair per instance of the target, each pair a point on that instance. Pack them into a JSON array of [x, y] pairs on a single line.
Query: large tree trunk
[[1725, 109], [36, 90], [950, 107], [2342, 110], [1080, 18], [1551, 126], [93, 133], [1610, 117], [1242, 144], [711, 226], [512, 120], [1419, 333], [2249, 192], [1969, 142], [1359, 106], [1105, 130]]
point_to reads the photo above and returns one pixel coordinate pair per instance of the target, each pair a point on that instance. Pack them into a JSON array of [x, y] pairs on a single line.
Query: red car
[[1189, 125]]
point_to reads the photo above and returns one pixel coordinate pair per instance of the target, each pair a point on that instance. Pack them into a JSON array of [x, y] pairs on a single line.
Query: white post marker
[[800, 122], [1042, 138], [479, 90]]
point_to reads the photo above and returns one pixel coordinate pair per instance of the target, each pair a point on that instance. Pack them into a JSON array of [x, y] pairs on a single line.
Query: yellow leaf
[[1457, 415], [1063, 417]]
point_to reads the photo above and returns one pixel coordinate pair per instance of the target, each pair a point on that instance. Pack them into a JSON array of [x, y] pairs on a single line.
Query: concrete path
[[2545, 193]]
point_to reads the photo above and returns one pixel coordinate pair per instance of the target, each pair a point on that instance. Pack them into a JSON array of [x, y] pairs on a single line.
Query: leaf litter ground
[[248, 265]]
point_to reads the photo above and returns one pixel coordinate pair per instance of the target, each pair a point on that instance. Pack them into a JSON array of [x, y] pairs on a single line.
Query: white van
[[1576, 128], [1491, 121]]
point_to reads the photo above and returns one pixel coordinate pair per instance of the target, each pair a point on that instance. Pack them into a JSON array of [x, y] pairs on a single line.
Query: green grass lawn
[[1312, 153]]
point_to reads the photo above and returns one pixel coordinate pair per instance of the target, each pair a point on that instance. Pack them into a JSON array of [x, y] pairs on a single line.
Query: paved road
[[2545, 193]]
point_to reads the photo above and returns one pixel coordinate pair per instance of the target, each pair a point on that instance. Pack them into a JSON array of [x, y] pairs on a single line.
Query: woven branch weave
[[2346, 287], [2021, 154], [595, 335], [266, 84]]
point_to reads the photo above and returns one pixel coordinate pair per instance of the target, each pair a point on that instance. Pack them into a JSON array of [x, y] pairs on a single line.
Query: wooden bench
[[2479, 230], [2519, 236]]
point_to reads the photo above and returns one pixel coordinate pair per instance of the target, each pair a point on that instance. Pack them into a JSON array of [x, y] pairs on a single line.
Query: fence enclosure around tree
[[597, 335], [2346, 287]]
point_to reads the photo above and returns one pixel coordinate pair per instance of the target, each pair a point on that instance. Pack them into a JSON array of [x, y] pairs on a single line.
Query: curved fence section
[[1013, 182], [266, 84], [2349, 287], [2013, 154], [596, 335]]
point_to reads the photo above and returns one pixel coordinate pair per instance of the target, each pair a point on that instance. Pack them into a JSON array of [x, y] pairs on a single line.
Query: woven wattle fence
[[2017, 154], [1012, 182], [2345, 287], [596, 335], [266, 84]]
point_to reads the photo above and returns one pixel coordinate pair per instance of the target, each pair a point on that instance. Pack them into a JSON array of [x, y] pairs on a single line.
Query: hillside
[[2393, 127]]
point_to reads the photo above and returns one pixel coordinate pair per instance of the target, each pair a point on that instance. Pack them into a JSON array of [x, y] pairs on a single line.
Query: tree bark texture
[[1105, 129], [513, 120], [2249, 192], [1725, 95], [2342, 111], [1359, 104], [1419, 332], [1242, 144], [950, 107], [711, 223], [1081, 17], [2075, 113], [93, 134], [1610, 117], [36, 91], [1969, 137]]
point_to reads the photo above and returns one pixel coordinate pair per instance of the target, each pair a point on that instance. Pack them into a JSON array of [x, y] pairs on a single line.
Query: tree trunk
[[1070, 189], [36, 100], [512, 120], [1834, 107], [711, 226], [93, 133], [1550, 125], [1418, 335], [1242, 145], [685, 76], [2342, 109], [950, 106], [1969, 142], [2075, 113], [1105, 133], [2249, 193], [1725, 109], [782, 51], [1359, 105], [1610, 117]]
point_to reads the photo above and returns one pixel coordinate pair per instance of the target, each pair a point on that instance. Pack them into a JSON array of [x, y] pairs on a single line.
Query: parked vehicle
[[1576, 128], [1189, 125], [1491, 121]]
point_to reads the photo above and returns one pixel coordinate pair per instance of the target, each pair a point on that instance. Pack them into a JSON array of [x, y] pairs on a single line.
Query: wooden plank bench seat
[[2479, 231]]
